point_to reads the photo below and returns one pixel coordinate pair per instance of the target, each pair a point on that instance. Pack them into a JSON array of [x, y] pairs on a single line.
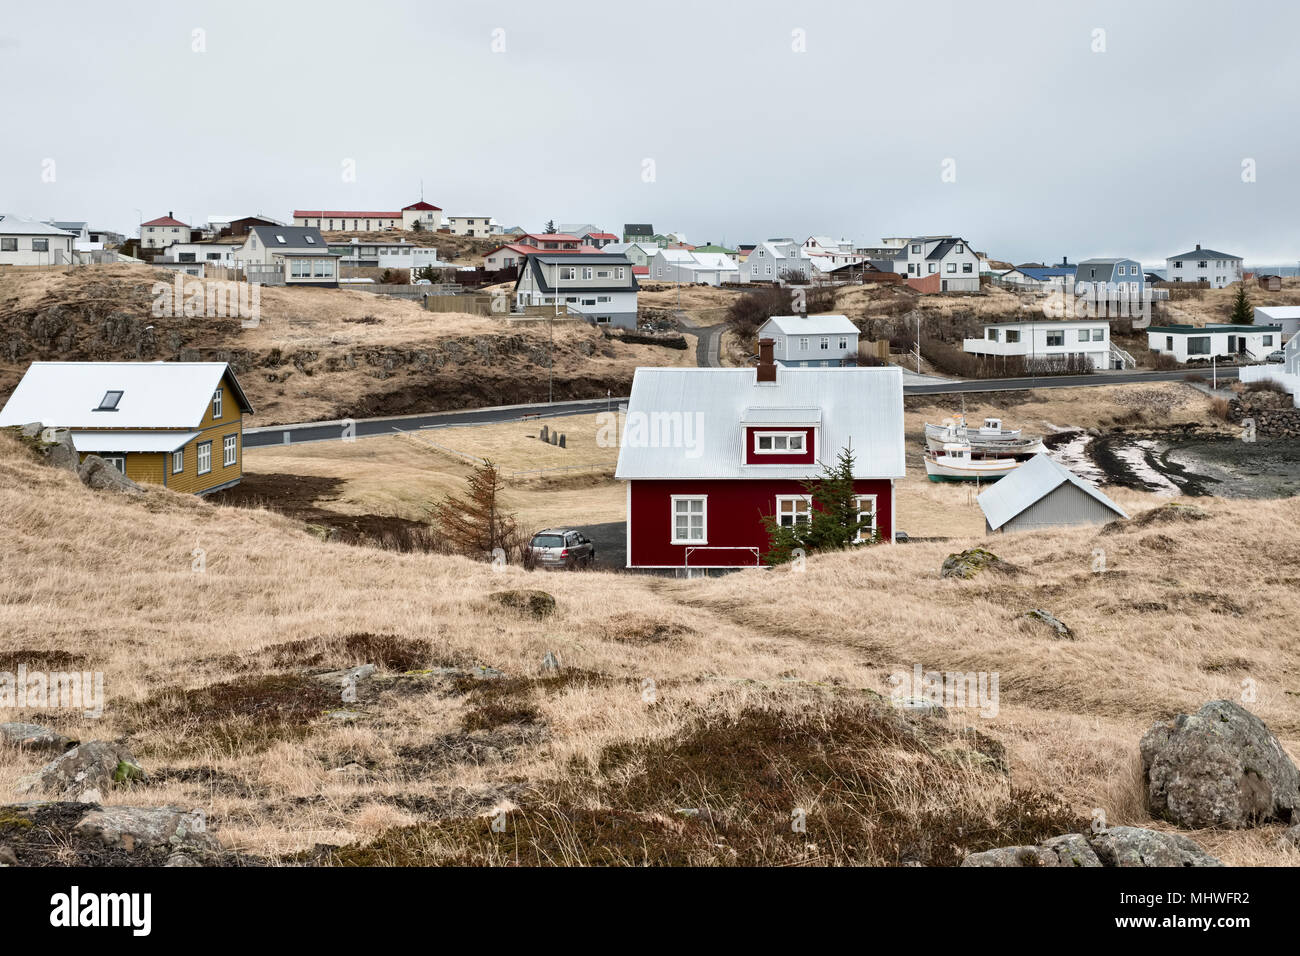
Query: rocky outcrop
[[84, 773], [127, 828], [967, 564], [96, 473], [86, 834], [1059, 627], [34, 737], [1218, 767], [1115, 846], [1135, 846]]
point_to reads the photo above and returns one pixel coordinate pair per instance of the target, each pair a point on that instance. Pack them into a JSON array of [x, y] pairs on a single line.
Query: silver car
[[562, 548]]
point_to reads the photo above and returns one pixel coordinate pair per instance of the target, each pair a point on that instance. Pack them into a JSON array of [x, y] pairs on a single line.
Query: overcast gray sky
[[1057, 149]]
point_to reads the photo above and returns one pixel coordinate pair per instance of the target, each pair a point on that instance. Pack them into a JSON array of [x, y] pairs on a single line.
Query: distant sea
[[1278, 270]]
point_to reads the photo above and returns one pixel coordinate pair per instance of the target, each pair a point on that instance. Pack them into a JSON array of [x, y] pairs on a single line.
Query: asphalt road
[[298, 434], [368, 427]]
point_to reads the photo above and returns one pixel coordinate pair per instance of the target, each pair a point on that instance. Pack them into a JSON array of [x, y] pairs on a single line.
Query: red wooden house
[[707, 453]]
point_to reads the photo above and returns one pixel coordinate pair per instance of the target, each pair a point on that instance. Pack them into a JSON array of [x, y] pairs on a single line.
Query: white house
[[470, 225], [221, 252], [683, 265], [162, 232], [1114, 275], [601, 288], [295, 255], [824, 341], [639, 253], [773, 260], [1286, 316], [1192, 343], [1204, 265], [26, 242], [385, 255], [1046, 339], [951, 258]]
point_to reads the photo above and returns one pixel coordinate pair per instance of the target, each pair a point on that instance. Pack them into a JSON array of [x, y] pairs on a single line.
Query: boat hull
[[969, 471]]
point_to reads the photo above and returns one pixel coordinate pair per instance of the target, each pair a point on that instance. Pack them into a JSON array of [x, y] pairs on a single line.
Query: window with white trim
[[117, 461], [779, 443], [792, 510], [866, 505], [216, 404], [228, 451], [690, 519], [178, 461], [205, 457]]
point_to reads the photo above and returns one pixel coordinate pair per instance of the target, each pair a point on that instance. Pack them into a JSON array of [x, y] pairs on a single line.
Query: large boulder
[[56, 447], [1135, 846], [127, 828], [967, 564], [34, 737], [1116, 846], [100, 475], [1218, 767], [84, 772]]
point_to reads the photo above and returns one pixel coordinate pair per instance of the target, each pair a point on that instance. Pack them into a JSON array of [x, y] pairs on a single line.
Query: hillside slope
[[315, 353], [742, 699]]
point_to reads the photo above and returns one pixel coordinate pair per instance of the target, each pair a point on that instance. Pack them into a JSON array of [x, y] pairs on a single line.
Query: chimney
[[171, 215], [766, 367], [1198, 247]]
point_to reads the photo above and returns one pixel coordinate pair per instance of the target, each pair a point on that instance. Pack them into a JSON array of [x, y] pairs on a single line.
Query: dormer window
[[778, 443], [109, 402]]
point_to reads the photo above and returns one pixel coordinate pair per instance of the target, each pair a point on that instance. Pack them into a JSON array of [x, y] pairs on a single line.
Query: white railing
[[1120, 355]]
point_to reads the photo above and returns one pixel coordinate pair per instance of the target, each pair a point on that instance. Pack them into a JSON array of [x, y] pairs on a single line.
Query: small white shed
[[1043, 493]]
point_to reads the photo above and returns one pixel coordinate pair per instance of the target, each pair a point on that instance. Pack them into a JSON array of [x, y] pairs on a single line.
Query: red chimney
[[766, 367]]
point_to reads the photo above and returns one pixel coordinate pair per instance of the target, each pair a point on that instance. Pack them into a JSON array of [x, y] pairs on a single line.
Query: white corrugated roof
[[859, 407], [154, 394], [19, 226], [94, 442], [1029, 483], [781, 416], [1278, 311], [812, 325]]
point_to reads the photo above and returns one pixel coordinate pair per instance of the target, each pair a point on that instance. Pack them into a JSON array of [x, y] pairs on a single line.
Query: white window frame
[[178, 455], [216, 403], [857, 501], [204, 450], [775, 434], [704, 518], [229, 450], [793, 514], [117, 461]]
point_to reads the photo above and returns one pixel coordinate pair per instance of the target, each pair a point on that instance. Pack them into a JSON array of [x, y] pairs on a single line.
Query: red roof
[[164, 221], [343, 214], [421, 205], [600, 235], [514, 247], [640, 270], [551, 236]]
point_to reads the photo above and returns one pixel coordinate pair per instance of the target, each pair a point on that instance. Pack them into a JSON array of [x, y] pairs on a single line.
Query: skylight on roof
[[311, 240], [279, 238], [109, 402]]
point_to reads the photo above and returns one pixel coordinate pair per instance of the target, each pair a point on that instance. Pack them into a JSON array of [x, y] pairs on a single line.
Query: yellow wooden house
[[176, 424]]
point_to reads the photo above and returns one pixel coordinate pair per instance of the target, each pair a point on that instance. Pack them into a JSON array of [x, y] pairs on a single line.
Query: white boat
[[989, 438], [956, 462]]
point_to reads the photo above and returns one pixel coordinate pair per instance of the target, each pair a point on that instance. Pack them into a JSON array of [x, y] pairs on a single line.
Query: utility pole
[[918, 343]]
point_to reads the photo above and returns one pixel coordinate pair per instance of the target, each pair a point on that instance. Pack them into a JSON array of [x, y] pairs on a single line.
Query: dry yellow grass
[[403, 475], [1185, 614]]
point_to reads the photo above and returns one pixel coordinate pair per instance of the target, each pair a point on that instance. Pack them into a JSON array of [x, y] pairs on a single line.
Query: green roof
[[712, 248], [1201, 330]]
